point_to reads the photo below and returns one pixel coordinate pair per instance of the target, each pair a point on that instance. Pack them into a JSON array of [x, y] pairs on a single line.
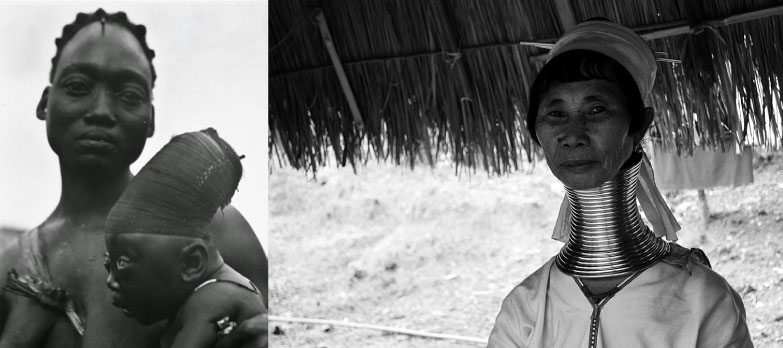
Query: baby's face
[[144, 275]]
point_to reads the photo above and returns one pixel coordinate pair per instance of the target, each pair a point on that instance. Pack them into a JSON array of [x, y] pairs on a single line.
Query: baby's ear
[[194, 258]]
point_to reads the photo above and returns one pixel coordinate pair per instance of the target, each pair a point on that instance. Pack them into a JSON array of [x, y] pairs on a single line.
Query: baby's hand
[[251, 333], [225, 326]]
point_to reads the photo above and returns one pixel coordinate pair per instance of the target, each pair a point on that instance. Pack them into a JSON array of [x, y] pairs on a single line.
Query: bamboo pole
[[733, 19], [338, 67], [565, 14], [681, 29], [379, 328], [748, 16]]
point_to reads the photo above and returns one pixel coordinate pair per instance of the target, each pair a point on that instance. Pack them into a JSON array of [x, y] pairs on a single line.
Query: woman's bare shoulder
[[9, 254], [239, 246], [232, 232]]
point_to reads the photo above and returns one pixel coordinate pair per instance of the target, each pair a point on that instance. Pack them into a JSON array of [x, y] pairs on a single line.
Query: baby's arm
[[197, 319]]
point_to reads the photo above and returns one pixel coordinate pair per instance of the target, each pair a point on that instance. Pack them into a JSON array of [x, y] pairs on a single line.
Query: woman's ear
[[194, 260], [151, 125], [647, 115], [40, 109]]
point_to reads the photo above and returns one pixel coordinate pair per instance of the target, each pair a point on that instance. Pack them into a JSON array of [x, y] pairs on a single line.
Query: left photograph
[[133, 186]]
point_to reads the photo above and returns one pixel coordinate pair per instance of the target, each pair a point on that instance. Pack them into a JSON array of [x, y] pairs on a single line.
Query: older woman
[[615, 283]]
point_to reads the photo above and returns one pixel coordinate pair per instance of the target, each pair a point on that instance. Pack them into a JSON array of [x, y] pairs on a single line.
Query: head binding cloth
[[180, 188], [614, 41]]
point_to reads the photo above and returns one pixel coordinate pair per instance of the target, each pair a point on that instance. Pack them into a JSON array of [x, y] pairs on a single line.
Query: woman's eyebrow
[[594, 98], [554, 102], [94, 71]]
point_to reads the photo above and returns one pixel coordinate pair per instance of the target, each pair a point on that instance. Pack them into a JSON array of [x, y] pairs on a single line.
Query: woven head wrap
[[179, 190], [614, 41], [631, 51]]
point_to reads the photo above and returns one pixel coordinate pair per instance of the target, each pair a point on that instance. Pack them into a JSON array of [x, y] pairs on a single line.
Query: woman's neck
[[87, 196], [608, 237]]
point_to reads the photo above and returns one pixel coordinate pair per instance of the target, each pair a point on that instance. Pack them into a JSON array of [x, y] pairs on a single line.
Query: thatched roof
[[430, 78]]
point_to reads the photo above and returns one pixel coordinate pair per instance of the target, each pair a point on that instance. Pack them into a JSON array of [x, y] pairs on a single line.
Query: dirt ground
[[433, 251]]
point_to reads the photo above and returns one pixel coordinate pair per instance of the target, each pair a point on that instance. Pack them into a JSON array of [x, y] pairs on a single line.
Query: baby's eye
[[122, 262]]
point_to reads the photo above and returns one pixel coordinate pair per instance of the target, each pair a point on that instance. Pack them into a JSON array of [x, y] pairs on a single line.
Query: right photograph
[[549, 173]]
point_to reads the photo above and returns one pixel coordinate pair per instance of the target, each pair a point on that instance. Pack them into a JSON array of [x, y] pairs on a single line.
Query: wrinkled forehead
[[583, 92], [106, 46]]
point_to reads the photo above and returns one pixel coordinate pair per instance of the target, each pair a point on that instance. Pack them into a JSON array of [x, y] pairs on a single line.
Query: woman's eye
[[77, 88], [554, 114], [597, 110], [130, 98]]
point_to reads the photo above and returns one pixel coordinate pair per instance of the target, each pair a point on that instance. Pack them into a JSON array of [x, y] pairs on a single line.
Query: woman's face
[[583, 129], [98, 109]]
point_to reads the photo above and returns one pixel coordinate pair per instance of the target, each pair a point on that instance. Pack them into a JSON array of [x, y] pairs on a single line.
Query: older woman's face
[[583, 129]]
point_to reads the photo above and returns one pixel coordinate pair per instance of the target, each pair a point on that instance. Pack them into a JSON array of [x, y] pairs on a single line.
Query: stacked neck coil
[[608, 237]]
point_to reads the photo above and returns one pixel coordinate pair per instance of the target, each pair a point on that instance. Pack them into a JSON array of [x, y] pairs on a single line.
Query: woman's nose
[[574, 133], [101, 112]]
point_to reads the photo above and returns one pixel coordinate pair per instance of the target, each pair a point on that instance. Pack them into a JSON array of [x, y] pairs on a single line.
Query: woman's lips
[[578, 166], [96, 140], [96, 136]]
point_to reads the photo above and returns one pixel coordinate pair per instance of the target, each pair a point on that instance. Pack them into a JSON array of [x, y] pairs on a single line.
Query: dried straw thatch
[[449, 78]]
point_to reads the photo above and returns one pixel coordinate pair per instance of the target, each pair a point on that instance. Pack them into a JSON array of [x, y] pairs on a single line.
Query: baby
[[162, 264]]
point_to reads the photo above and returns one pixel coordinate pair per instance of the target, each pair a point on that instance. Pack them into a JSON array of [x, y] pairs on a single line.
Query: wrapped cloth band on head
[[617, 42], [179, 190]]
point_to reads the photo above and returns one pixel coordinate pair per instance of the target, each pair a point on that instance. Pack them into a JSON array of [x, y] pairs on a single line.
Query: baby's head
[[158, 246]]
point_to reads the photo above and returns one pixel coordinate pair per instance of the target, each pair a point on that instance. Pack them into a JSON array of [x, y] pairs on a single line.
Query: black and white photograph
[[134, 176], [391, 173], [546, 173]]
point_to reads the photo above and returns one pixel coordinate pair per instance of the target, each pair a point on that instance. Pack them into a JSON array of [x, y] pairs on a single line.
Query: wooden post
[[705, 209], [338, 67]]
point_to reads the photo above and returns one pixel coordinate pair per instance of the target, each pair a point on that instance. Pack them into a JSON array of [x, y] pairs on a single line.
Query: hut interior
[[409, 81]]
